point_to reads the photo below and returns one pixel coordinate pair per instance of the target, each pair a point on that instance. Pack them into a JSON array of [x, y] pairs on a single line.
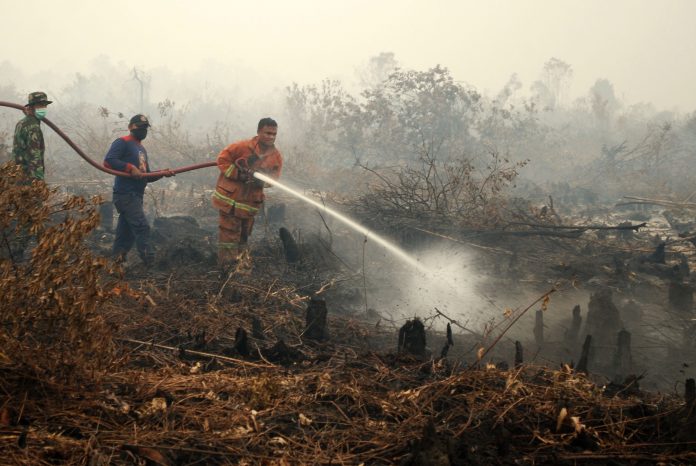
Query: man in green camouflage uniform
[[28, 148], [28, 151]]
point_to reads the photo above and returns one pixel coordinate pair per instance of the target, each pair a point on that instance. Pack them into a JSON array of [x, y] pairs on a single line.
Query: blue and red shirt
[[125, 153]]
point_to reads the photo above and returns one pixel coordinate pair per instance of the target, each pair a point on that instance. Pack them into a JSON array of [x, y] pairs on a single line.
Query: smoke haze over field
[[643, 47]]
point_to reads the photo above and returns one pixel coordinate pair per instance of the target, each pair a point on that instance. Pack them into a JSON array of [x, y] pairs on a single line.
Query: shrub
[[49, 319]]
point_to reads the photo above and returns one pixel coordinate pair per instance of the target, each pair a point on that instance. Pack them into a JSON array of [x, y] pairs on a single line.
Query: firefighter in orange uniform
[[238, 195]]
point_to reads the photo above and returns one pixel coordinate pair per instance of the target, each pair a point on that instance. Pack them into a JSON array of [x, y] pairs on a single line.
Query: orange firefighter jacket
[[240, 197]]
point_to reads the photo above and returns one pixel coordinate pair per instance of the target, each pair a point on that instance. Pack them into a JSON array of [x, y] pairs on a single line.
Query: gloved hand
[[244, 173]]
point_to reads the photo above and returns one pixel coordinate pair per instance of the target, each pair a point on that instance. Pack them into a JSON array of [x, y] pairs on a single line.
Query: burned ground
[[224, 368]]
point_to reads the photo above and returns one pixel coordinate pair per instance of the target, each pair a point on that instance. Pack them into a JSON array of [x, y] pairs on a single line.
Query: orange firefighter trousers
[[233, 234]]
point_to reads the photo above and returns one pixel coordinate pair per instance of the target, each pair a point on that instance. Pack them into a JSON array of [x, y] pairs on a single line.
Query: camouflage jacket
[[28, 148]]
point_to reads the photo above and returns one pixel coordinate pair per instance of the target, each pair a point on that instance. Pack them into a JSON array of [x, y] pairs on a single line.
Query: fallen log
[[661, 202], [622, 226]]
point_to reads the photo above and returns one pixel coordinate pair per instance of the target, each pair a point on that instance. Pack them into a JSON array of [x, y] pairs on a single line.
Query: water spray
[[400, 253]]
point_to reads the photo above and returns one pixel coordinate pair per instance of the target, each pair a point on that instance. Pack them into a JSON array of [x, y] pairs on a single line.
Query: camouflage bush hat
[[140, 121], [38, 98]]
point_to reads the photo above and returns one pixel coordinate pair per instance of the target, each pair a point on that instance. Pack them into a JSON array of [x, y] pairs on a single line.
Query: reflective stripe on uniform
[[228, 245], [235, 204], [228, 172]]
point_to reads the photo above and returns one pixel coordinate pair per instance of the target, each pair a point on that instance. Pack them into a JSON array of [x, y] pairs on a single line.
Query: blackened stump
[[658, 256], [623, 361], [257, 328], [574, 330], [292, 252], [519, 354], [412, 338], [681, 296], [539, 328], [241, 342], [690, 407], [448, 343], [432, 449], [585, 356], [283, 354], [603, 318], [626, 234], [316, 321]]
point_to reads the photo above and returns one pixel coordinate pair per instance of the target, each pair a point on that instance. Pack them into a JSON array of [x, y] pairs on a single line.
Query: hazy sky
[[645, 48]]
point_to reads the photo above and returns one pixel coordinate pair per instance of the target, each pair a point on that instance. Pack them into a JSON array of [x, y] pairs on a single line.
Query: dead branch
[[198, 353], [583, 227]]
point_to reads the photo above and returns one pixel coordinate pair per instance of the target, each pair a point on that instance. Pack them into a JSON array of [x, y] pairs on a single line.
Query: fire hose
[[96, 165]]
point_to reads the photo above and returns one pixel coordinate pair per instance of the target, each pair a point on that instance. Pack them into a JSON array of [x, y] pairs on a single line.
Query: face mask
[[40, 113], [139, 133]]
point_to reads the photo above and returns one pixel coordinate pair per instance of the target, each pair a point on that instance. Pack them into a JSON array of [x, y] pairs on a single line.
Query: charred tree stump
[[681, 296], [603, 318], [684, 270], [585, 356], [315, 320], [690, 409], [257, 328], [241, 342], [412, 338], [658, 256], [626, 234], [519, 354], [623, 360], [575, 324], [430, 450], [284, 354], [106, 215], [689, 337], [690, 392], [690, 395], [199, 340], [292, 252], [620, 269], [448, 343], [539, 328]]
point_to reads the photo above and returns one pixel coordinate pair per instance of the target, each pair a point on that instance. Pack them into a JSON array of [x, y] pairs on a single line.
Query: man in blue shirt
[[127, 154]]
